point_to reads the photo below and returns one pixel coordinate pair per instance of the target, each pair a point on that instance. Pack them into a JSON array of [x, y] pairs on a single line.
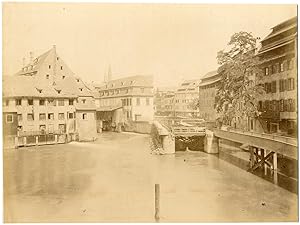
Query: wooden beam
[[262, 162]]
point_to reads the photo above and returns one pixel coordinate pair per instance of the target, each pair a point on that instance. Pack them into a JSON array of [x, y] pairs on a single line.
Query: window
[[281, 105], [71, 101], [285, 105], [18, 101], [30, 117], [290, 84], [47, 76], [84, 116], [57, 58], [281, 67], [77, 80], [20, 118], [80, 89], [58, 91], [50, 116], [62, 128], [71, 116], [61, 67], [273, 86], [49, 66], [42, 116], [6, 102], [43, 128], [9, 118], [142, 90], [51, 102], [30, 101], [260, 106], [281, 85], [291, 104], [130, 101], [83, 101], [61, 116], [63, 77], [267, 71], [266, 105], [126, 91], [147, 101], [42, 102], [61, 102], [138, 101]]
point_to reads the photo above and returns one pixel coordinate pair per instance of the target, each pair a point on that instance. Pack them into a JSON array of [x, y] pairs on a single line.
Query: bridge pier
[[211, 143]]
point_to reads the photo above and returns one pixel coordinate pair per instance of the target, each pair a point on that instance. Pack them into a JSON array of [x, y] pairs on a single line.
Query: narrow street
[[112, 180]]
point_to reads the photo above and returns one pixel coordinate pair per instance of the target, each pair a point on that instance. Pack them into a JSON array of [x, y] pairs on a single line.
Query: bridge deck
[[282, 145]]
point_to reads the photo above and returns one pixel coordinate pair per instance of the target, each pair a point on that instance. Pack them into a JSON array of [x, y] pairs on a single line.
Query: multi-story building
[[278, 60], [185, 94], [207, 93], [125, 99], [46, 97], [164, 101]]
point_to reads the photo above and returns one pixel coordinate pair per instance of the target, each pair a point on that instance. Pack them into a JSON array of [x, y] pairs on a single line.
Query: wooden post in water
[[157, 202]]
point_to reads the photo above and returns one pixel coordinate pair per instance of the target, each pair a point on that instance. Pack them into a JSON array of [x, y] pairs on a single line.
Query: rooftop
[[45, 76], [132, 81]]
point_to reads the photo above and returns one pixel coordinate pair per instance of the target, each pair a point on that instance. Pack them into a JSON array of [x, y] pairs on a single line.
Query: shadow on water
[[286, 176]]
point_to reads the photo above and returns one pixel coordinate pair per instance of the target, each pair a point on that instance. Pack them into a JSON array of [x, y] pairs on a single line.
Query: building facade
[[278, 61], [185, 94], [45, 95], [125, 100], [164, 101], [207, 93]]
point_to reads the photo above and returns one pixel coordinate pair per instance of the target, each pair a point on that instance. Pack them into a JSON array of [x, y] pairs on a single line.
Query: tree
[[237, 92]]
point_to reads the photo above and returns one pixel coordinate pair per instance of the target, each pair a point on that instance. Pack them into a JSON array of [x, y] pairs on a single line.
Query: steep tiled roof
[[189, 85], [132, 81], [46, 76], [210, 78]]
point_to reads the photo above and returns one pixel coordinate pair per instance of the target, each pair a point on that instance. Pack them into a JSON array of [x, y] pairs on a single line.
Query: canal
[[112, 180]]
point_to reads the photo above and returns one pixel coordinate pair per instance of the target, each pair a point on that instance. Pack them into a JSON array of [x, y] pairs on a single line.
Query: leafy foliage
[[237, 92]]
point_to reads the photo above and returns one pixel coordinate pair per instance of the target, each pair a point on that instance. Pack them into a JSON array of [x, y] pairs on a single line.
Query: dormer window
[[83, 101], [61, 67], [57, 58], [77, 80], [58, 91], [39, 90], [63, 77], [49, 66], [47, 76], [80, 89]]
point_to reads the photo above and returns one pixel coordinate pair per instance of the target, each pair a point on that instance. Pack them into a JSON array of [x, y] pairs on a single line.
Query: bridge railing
[[283, 139]]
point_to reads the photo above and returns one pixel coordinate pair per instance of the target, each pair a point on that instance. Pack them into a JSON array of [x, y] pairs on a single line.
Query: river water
[[112, 180]]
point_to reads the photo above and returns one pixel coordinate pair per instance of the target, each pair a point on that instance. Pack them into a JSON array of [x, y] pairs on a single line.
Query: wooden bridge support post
[[252, 158], [36, 140], [275, 161], [24, 141]]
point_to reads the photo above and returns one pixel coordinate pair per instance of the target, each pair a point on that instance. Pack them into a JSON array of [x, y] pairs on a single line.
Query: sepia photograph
[[149, 112]]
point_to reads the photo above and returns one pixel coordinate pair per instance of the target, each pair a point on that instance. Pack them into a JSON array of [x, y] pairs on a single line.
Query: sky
[[172, 42]]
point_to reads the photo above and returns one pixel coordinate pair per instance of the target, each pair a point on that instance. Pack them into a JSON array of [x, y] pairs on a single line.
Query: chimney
[[31, 57]]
